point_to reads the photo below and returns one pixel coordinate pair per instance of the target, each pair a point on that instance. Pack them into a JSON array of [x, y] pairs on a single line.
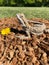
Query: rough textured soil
[[14, 51]]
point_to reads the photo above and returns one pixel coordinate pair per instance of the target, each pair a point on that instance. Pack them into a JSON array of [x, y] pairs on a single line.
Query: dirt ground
[[15, 51]]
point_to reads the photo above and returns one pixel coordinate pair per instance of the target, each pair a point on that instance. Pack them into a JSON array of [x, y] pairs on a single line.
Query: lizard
[[37, 28]]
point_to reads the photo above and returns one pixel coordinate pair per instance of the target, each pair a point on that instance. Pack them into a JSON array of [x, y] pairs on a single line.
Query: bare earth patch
[[15, 51]]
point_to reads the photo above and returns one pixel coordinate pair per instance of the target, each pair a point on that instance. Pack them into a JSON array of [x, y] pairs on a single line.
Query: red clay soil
[[14, 51]]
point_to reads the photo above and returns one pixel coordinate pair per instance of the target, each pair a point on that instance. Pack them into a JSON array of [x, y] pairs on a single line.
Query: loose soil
[[15, 51]]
